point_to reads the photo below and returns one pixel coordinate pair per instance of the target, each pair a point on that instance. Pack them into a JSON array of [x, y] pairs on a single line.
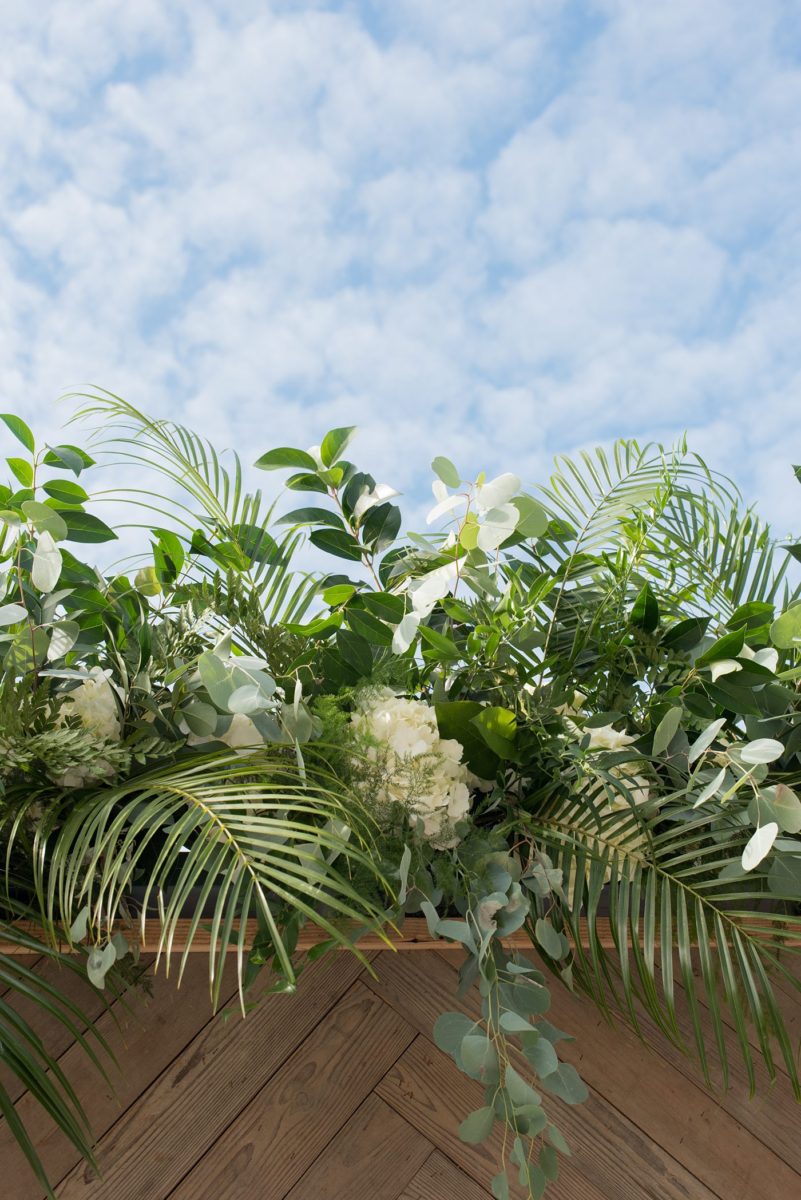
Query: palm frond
[[25, 1055], [672, 887], [220, 839]]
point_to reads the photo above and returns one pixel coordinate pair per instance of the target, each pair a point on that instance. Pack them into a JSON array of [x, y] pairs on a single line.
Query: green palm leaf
[[24, 1054], [665, 891], [238, 837]]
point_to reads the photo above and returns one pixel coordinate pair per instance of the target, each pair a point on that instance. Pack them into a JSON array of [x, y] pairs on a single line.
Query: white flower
[[95, 705], [421, 771], [368, 499], [241, 733], [606, 737]]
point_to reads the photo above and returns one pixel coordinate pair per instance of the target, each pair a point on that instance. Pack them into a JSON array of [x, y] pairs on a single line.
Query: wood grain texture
[[427, 1089], [373, 1157], [601, 1134], [144, 1035], [291, 1120], [55, 1036], [189, 1107], [440, 1179]]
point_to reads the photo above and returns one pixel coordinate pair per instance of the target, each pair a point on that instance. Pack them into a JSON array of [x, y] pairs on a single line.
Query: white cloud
[[492, 231]]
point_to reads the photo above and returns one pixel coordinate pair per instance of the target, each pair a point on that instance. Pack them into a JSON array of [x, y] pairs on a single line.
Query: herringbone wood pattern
[[338, 1093]]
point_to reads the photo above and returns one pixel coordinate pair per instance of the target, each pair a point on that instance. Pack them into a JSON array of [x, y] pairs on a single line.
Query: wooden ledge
[[413, 936]]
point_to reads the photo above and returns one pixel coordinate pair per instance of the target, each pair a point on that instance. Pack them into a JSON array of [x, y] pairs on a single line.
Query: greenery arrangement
[[545, 713]]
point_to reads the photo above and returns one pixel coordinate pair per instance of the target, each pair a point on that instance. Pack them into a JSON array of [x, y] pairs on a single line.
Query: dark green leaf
[[306, 483], [645, 612], [455, 720], [83, 527], [729, 646], [355, 651], [334, 443], [311, 516], [380, 526], [337, 542], [686, 634]]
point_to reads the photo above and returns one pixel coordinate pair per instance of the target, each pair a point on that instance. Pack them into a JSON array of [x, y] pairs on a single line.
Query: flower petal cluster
[[94, 704], [415, 767]]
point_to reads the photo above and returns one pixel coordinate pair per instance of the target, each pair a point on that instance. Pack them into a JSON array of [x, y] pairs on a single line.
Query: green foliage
[[612, 665]]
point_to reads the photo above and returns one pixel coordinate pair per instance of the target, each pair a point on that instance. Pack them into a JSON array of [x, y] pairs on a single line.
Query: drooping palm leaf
[[25, 1055], [245, 836], [666, 896]]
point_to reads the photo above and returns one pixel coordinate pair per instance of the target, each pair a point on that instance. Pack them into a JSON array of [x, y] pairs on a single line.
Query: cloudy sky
[[493, 230]]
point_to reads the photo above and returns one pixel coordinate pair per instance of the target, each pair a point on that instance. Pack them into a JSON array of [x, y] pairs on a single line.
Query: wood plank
[[427, 1089], [423, 989], [186, 1110], [373, 1157], [669, 1107], [277, 1138], [55, 1036], [440, 1179], [145, 1039]]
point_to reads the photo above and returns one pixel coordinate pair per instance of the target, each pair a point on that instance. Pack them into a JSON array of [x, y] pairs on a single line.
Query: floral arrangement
[[546, 712]]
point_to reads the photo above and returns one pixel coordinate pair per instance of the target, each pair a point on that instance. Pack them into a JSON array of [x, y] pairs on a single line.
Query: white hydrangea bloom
[[95, 705], [93, 702], [402, 736]]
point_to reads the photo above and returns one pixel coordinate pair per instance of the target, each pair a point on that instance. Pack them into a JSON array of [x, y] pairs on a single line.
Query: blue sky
[[497, 231]]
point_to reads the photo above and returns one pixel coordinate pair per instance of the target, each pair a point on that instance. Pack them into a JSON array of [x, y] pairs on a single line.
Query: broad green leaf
[[11, 614], [369, 627], [446, 471], [784, 877], [499, 1186], [450, 1030], [339, 593], [548, 938], [759, 846], [479, 1058], [68, 458], [785, 632], [455, 720], [22, 470], [763, 750], [512, 1022], [666, 730], [729, 646], [46, 566], [542, 1056], [45, 519], [63, 637], [20, 430], [334, 443], [65, 490], [380, 527], [99, 963], [520, 1090], [355, 651], [477, 1126], [84, 527], [566, 1083], [498, 727], [705, 740], [336, 542], [533, 520], [385, 606], [645, 612], [311, 516], [685, 635], [286, 456], [444, 647]]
